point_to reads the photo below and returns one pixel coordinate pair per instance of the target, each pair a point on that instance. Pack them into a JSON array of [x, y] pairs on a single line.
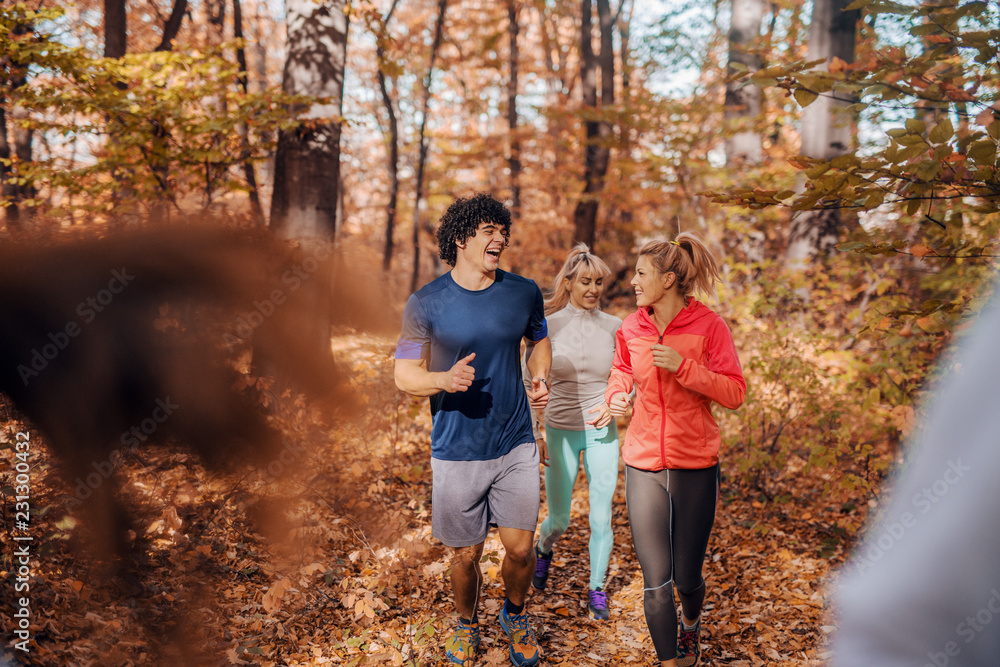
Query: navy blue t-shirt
[[443, 323]]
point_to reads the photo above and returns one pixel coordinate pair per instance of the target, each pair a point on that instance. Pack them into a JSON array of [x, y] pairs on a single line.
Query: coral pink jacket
[[672, 424]]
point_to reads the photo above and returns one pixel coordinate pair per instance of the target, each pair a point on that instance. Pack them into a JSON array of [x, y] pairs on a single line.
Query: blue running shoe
[[523, 644], [463, 644]]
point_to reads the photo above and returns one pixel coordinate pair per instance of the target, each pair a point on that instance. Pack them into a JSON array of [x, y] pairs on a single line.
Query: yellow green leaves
[[924, 29], [932, 157], [882, 248], [804, 97], [915, 127], [942, 132], [873, 398], [175, 119], [921, 162], [983, 151], [752, 198], [928, 170]]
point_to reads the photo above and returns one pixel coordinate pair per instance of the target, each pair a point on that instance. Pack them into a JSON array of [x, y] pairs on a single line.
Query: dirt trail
[[326, 559]]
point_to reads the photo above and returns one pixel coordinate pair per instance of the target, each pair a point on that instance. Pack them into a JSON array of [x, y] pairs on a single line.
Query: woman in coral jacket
[[680, 358]]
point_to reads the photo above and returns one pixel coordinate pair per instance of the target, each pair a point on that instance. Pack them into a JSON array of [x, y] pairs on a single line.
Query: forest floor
[[326, 558]]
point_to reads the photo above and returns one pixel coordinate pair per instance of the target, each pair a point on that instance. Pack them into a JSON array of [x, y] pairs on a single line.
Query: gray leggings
[[671, 513]]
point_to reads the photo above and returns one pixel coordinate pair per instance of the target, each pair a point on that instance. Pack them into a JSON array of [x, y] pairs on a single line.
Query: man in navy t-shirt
[[460, 346]]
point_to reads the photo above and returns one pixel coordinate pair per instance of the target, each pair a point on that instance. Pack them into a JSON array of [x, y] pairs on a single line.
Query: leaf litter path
[[765, 602], [331, 562]]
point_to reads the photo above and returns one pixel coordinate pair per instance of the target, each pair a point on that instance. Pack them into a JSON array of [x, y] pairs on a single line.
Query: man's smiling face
[[485, 247]]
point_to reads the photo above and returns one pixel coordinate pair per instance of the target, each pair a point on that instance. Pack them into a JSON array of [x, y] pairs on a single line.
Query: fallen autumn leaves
[[329, 561]]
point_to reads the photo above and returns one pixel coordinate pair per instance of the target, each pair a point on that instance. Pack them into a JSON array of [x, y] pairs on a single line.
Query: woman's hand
[[667, 358], [620, 402], [603, 418]]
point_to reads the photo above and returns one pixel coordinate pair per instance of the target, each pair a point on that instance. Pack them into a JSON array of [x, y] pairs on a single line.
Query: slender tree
[[743, 97], [115, 29], [15, 76], [216, 14], [514, 159], [241, 61], [598, 132], [159, 133], [559, 79], [624, 22], [425, 103], [116, 46], [623, 19], [173, 25], [5, 170], [828, 127], [393, 131]]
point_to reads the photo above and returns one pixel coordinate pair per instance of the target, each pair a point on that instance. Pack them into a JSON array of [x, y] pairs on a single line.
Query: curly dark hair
[[460, 222]]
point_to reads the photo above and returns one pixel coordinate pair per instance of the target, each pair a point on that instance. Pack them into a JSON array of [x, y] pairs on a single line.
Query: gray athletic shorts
[[470, 496]]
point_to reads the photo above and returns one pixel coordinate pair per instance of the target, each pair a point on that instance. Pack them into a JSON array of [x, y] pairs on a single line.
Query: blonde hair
[[579, 262], [689, 259]]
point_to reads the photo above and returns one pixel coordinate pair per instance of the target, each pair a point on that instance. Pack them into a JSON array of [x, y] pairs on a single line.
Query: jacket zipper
[[663, 410]]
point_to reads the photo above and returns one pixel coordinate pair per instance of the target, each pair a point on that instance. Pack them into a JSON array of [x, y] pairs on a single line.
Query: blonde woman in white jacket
[[577, 422]]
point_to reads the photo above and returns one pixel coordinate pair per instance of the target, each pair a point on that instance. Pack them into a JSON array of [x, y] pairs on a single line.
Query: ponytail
[[689, 259], [579, 262]]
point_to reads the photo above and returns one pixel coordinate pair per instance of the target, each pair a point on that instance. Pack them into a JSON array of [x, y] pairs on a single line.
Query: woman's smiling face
[[585, 290], [647, 282]]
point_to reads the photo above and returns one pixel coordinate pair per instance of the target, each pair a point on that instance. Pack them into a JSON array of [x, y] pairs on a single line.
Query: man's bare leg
[[467, 579], [518, 563]]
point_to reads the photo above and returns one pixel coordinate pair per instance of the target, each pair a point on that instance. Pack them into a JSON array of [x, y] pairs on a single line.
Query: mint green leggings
[[600, 462]]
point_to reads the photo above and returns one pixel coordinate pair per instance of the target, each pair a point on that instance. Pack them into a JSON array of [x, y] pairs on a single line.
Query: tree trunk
[[217, 17], [625, 132], [598, 133], [422, 158], [115, 29], [160, 166], [173, 25], [514, 161], [390, 213], [624, 22], [116, 46], [248, 172], [307, 163], [743, 98], [607, 56], [6, 189], [259, 44], [557, 79], [13, 193], [828, 129]]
